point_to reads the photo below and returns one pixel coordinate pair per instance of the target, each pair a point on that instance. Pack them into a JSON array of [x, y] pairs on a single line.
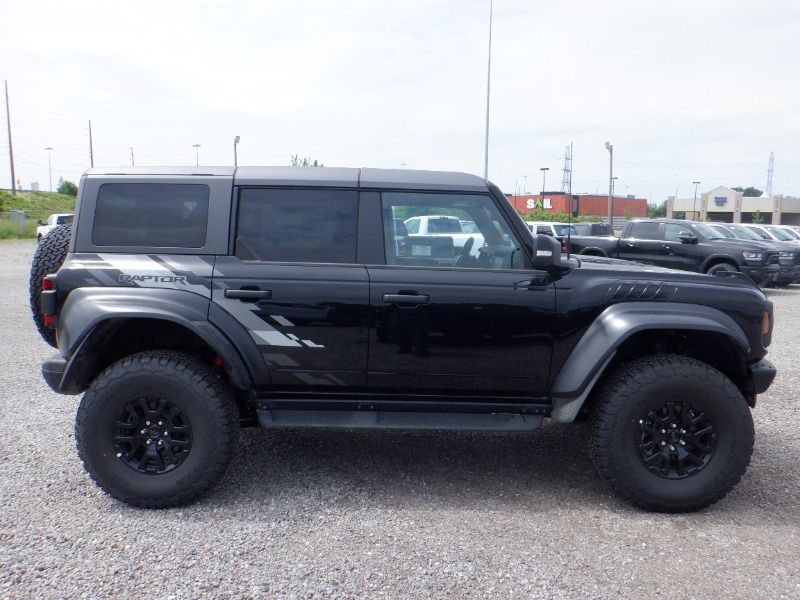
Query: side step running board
[[364, 419]]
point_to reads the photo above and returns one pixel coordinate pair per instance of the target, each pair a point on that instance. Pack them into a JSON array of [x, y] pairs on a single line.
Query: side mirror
[[687, 238], [39, 222], [546, 252]]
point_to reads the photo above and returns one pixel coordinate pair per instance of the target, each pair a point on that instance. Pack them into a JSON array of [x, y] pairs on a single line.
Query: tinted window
[[644, 231], [760, 233], [564, 230], [443, 225], [544, 229], [492, 246], [317, 226], [158, 215], [673, 232], [64, 219]]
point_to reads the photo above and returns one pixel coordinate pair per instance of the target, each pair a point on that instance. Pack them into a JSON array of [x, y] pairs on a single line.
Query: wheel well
[[115, 339], [592, 252], [718, 261], [715, 349]]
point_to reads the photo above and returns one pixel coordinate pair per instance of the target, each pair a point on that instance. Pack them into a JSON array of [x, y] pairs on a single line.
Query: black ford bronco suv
[[191, 302]]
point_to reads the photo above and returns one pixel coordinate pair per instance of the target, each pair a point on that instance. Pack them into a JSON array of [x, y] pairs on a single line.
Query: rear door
[[454, 323], [294, 284], [644, 243]]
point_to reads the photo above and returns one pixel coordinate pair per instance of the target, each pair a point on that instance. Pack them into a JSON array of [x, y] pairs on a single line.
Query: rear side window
[[158, 215], [644, 231], [316, 226]]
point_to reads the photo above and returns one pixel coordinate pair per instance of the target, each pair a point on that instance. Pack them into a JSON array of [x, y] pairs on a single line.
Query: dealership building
[[729, 206], [580, 205]]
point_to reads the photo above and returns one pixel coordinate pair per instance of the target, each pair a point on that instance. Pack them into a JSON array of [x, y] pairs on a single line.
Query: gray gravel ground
[[372, 514]]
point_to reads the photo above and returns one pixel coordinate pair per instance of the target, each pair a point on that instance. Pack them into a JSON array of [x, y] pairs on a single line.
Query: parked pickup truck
[[684, 245], [52, 221], [444, 226]]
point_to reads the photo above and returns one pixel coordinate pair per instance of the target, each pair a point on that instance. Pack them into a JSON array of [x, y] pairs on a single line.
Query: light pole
[[694, 202], [544, 171], [235, 158], [196, 153], [525, 184], [488, 89], [610, 149], [50, 166]]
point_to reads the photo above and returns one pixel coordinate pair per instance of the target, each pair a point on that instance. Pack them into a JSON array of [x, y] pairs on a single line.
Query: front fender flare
[[598, 345]]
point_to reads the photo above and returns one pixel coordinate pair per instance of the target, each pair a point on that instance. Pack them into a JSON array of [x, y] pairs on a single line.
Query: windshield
[[780, 234], [707, 231], [743, 233], [723, 230], [562, 230], [64, 219]]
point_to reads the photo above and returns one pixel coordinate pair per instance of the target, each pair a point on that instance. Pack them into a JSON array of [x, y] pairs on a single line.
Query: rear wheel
[[48, 258], [671, 433], [156, 429]]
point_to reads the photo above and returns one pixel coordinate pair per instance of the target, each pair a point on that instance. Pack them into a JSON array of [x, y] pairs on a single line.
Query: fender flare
[[599, 343], [87, 310], [729, 258]]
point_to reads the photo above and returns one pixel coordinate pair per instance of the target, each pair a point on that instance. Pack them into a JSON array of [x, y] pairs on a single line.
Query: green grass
[[37, 205]]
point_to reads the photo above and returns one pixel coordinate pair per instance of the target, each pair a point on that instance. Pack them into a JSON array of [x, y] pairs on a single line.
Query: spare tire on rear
[[49, 257]]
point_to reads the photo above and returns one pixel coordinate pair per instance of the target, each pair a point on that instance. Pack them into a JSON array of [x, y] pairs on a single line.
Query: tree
[[748, 191], [654, 211], [67, 187], [757, 217], [305, 162]]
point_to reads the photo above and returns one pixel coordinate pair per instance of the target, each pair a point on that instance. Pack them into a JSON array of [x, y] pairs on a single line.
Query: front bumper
[[763, 373], [761, 274], [53, 370]]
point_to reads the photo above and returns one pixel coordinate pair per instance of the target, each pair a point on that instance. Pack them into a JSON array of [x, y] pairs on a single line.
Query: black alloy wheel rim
[[676, 440], [152, 436]]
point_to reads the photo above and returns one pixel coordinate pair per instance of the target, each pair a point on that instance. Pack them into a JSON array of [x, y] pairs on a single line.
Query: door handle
[[406, 299], [249, 295]]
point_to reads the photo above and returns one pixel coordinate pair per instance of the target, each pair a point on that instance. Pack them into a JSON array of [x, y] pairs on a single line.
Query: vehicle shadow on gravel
[[414, 470]]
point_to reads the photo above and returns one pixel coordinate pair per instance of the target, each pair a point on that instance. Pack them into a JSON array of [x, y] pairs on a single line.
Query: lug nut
[[143, 431], [160, 423], [147, 422], [663, 431], [147, 443], [683, 432], [672, 448], [166, 433], [160, 442], [673, 426], [663, 443], [682, 443]]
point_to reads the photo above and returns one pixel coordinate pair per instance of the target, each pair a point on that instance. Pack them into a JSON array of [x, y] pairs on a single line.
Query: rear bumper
[[763, 373], [53, 370]]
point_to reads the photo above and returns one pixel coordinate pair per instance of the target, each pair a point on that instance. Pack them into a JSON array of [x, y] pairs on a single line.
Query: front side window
[[436, 237], [157, 215], [280, 225], [673, 232]]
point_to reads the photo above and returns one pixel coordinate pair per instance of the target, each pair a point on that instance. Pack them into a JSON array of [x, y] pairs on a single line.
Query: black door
[[644, 243], [294, 285], [453, 322]]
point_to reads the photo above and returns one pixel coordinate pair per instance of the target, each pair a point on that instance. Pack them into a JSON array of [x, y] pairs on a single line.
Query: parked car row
[[768, 255]]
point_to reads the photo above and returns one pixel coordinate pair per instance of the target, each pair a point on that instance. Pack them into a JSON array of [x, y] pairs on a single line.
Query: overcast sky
[[685, 90]]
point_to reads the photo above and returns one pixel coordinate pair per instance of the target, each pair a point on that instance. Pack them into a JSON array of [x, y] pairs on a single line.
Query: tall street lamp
[[488, 91], [49, 166], [694, 202], [196, 153], [610, 149], [235, 158], [544, 171]]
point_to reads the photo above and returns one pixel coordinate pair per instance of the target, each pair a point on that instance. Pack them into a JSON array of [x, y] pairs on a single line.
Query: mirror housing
[[688, 238], [546, 252]]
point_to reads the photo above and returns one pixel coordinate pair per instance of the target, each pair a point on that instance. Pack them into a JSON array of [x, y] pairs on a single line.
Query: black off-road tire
[[193, 391], [622, 437], [48, 258]]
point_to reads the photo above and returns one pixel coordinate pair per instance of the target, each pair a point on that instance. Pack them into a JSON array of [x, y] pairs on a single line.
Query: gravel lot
[[370, 514]]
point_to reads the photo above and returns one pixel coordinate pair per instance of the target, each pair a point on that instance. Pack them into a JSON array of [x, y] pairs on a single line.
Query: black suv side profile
[[187, 304]]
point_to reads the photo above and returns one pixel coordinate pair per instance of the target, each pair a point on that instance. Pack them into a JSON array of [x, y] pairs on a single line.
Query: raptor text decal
[[125, 278]]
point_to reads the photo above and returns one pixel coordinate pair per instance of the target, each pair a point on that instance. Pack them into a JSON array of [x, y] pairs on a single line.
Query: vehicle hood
[[737, 244]]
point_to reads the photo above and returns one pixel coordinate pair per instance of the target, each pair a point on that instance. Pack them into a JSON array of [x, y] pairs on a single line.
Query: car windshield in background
[[724, 231], [64, 219], [780, 234], [443, 225], [565, 230], [744, 233], [707, 231]]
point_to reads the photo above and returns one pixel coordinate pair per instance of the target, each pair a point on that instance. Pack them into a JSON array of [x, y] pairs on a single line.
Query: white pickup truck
[[446, 226], [56, 219]]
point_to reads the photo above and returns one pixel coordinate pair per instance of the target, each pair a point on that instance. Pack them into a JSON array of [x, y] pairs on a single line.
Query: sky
[[685, 91]]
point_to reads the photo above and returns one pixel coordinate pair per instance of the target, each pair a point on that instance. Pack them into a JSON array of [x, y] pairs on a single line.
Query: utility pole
[[91, 148], [544, 171], [133, 164], [197, 153], [10, 147], [694, 202], [488, 89], [49, 166], [610, 149]]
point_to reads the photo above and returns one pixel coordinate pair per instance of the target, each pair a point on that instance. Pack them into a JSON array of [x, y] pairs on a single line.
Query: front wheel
[[720, 268], [671, 433], [156, 429]]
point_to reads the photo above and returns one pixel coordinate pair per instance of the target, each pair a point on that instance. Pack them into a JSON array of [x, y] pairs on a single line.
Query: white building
[[730, 206]]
